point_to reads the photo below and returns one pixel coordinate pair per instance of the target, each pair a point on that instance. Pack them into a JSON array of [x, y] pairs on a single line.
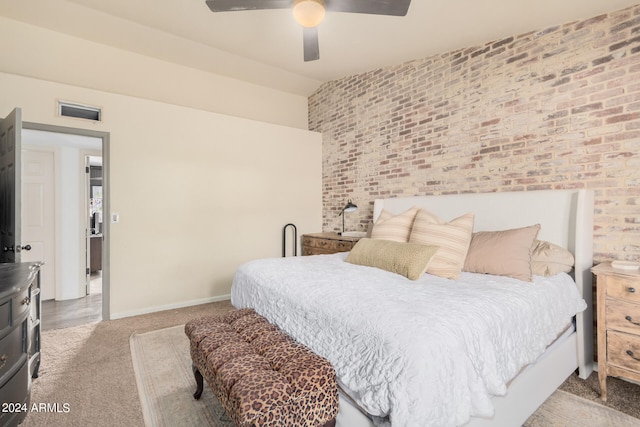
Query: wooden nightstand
[[618, 324], [326, 243]]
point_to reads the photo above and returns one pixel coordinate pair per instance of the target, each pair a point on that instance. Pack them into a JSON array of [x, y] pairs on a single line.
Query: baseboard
[[183, 304]]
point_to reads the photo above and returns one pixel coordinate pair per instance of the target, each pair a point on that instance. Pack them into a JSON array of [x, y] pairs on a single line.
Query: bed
[[322, 292]]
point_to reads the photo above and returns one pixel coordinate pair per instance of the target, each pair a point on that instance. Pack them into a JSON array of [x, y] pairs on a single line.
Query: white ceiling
[[265, 47]]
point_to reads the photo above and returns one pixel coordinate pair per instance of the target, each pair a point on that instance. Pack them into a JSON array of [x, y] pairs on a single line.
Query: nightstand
[[618, 324], [326, 243]]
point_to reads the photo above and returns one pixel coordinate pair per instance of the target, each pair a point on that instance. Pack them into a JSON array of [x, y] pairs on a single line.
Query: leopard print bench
[[260, 375]]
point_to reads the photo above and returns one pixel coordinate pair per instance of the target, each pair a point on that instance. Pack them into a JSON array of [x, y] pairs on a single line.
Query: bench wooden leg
[[331, 423], [199, 382]]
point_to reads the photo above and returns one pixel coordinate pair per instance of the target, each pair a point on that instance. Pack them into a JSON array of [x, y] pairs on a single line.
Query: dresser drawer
[[626, 288], [623, 350], [16, 391], [623, 316], [5, 317], [21, 303], [11, 350]]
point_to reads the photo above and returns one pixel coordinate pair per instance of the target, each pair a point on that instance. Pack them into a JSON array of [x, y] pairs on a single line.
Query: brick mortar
[[552, 109]]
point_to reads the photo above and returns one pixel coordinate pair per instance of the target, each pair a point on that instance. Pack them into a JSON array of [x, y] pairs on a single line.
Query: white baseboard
[[190, 303]]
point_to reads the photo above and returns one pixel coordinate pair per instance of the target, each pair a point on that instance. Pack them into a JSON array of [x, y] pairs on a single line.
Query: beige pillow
[[396, 228], [407, 259], [452, 238], [503, 253], [548, 259]]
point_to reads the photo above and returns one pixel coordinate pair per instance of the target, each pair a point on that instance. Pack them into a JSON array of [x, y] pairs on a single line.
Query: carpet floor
[[90, 368]]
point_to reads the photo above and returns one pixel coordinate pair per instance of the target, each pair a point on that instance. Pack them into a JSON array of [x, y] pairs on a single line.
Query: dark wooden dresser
[[19, 338], [326, 243]]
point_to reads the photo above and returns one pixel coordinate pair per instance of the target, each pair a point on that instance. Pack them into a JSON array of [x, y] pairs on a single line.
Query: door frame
[[106, 201]]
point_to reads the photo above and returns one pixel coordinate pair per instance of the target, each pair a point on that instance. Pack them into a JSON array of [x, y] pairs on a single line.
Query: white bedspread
[[424, 353]]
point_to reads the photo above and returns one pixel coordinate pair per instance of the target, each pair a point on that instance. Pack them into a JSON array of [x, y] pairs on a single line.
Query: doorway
[[77, 294]]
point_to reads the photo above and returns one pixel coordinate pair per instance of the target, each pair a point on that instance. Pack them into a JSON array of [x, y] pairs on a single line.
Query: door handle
[[8, 249], [26, 247]]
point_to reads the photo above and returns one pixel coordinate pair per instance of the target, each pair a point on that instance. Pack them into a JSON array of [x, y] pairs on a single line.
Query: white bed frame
[[566, 219]]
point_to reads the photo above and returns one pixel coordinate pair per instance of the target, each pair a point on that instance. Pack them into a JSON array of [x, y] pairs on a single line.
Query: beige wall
[[198, 193], [555, 108], [205, 169], [40, 53]]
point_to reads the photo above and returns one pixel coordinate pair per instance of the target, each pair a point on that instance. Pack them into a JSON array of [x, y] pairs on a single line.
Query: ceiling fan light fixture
[[308, 13]]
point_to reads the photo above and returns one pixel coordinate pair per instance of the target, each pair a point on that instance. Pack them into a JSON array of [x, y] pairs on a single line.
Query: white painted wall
[[198, 193]]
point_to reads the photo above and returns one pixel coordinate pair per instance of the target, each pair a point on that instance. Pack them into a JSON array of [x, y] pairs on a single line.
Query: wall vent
[[79, 111]]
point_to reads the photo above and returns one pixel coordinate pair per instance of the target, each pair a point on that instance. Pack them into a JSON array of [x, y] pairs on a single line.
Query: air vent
[[79, 111]]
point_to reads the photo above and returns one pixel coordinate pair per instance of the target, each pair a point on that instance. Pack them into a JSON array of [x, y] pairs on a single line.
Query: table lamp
[[349, 207]]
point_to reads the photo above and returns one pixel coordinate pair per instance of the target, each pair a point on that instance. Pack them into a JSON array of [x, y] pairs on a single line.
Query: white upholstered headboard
[[566, 219]]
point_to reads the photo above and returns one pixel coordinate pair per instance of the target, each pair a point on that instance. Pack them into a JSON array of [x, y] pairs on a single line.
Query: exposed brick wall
[[552, 109]]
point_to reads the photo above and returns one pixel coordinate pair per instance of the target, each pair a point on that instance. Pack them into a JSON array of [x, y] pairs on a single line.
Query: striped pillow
[[396, 228], [452, 238]]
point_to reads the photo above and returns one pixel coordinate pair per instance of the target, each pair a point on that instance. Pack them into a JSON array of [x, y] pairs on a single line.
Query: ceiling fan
[[309, 13]]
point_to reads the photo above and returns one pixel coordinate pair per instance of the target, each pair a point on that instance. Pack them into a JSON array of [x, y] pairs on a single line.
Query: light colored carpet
[[90, 368], [165, 381]]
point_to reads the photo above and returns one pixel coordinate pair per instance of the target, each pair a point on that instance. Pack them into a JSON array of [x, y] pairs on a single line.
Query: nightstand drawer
[[623, 350], [626, 288], [309, 241], [623, 316], [316, 251], [326, 243], [342, 246]]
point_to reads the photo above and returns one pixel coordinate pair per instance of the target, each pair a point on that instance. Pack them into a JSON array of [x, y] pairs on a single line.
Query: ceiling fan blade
[[238, 5], [310, 44], [372, 7]]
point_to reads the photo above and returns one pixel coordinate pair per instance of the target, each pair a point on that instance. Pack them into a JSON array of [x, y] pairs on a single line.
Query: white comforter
[[424, 353]]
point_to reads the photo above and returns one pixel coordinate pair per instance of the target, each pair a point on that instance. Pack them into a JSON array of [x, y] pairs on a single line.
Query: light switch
[[115, 218]]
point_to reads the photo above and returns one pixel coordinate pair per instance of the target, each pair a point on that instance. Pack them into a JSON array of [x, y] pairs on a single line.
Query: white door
[[38, 214]]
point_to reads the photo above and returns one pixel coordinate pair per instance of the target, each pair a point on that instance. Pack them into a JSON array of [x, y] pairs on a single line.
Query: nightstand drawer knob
[[630, 320], [630, 353], [632, 290]]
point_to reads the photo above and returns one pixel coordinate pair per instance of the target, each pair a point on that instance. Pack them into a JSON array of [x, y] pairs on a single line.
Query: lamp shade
[[349, 207], [308, 13]]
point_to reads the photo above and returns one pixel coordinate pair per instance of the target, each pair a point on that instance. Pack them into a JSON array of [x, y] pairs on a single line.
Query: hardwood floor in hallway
[[63, 314]]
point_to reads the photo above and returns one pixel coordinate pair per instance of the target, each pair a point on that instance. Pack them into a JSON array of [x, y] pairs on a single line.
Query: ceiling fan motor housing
[[309, 13]]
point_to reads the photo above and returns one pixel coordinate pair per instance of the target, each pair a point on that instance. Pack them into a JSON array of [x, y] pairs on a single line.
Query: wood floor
[[63, 314]]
